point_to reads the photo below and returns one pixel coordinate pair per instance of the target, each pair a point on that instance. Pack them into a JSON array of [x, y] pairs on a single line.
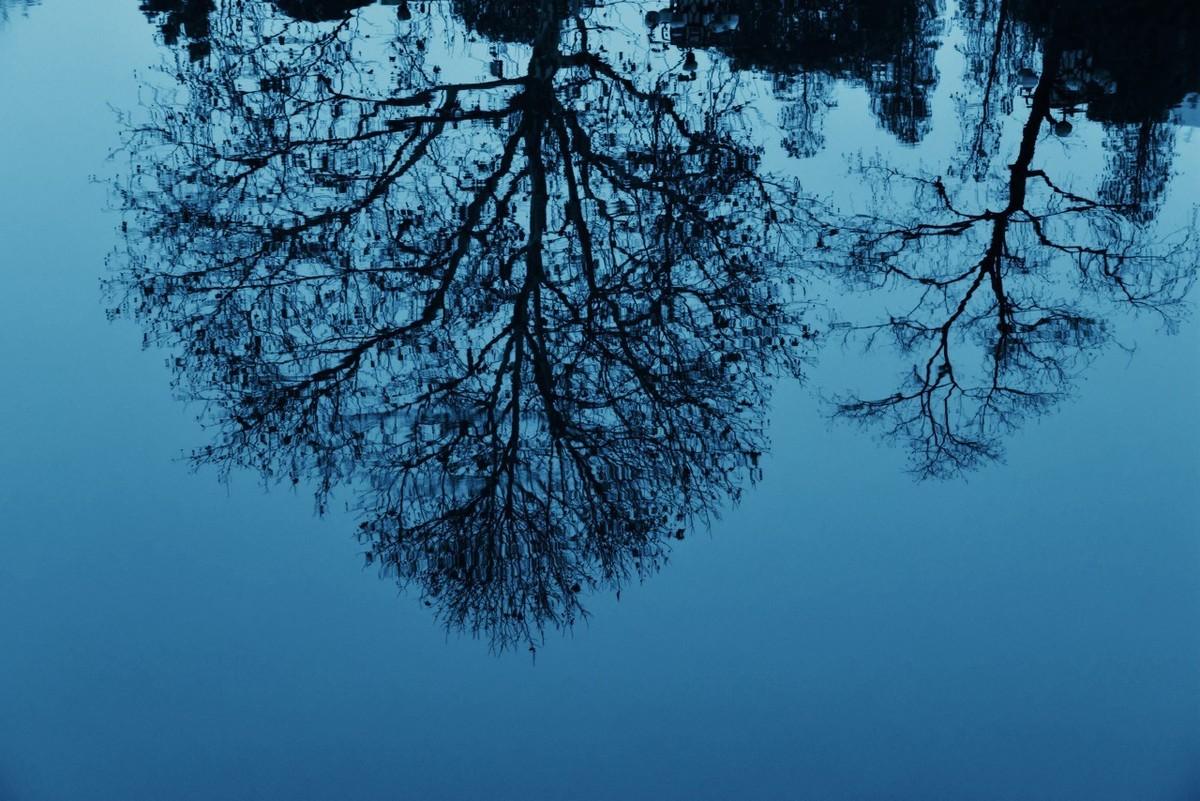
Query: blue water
[[846, 631]]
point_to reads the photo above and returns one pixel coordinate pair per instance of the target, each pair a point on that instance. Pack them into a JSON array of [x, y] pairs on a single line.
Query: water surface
[[688, 495]]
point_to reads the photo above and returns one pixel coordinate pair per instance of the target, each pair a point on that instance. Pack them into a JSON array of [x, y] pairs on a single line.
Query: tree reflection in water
[[530, 318], [1003, 306]]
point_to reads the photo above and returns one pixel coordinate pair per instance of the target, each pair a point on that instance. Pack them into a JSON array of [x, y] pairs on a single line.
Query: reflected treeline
[[806, 45], [185, 20], [188, 20], [529, 320], [1003, 304], [884, 45]]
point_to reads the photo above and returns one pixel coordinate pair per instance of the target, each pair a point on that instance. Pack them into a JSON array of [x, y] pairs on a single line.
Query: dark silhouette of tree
[[807, 98], [1128, 62], [1015, 285], [320, 10], [188, 20], [1128, 65], [1139, 167], [528, 322], [518, 21], [182, 18], [887, 47], [995, 48], [1122, 64]]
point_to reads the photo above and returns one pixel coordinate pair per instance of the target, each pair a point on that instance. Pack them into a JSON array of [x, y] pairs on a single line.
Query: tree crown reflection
[[529, 319]]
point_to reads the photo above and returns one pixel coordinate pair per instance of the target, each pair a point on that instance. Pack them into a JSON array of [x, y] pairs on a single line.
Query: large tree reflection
[[528, 320], [1003, 306]]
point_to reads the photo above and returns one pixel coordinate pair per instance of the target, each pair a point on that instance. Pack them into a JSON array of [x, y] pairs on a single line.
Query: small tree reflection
[[1001, 305]]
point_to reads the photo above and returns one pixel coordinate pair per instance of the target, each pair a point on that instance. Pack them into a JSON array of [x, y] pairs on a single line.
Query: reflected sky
[[964, 228]]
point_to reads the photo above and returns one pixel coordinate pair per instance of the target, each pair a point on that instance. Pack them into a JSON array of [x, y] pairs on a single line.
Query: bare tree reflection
[[528, 320], [1015, 286]]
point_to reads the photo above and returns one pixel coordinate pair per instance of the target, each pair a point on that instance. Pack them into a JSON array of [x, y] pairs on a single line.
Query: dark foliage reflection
[[888, 47]]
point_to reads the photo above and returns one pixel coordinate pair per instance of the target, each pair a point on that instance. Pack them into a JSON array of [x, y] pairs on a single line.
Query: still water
[[540, 400]]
